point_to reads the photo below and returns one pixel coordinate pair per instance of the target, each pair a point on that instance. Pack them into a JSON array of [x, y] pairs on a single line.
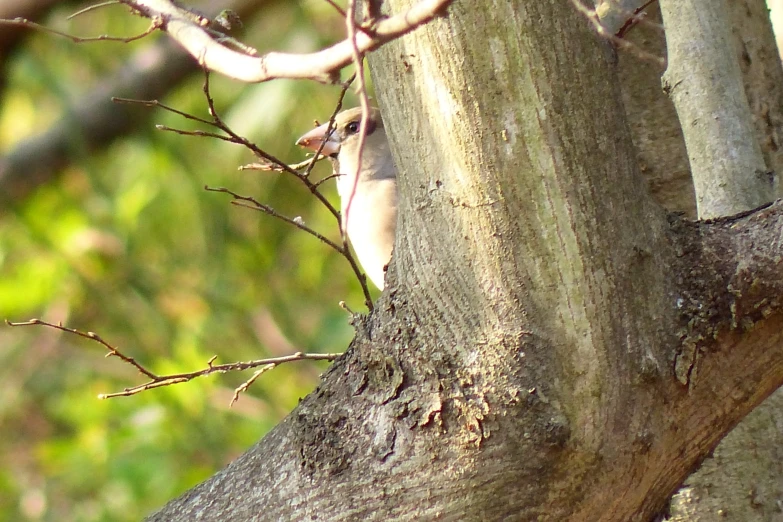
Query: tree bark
[[705, 83], [550, 345], [743, 480]]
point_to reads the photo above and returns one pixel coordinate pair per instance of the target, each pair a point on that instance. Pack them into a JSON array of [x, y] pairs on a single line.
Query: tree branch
[[158, 381], [704, 81], [23, 22], [734, 280], [11, 36], [321, 66]]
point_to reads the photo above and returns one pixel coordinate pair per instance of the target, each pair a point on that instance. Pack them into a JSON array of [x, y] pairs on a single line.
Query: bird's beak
[[313, 139]]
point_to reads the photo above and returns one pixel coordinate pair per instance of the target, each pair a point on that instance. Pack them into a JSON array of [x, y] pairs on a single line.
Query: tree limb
[[727, 165], [322, 65], [158, 381]]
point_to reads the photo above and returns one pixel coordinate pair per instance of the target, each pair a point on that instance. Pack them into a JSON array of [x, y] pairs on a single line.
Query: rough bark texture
[[754, 43], [743, 481], [549, 346]]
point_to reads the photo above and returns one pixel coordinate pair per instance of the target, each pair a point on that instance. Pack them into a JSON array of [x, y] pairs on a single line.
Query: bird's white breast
[[371, 223]]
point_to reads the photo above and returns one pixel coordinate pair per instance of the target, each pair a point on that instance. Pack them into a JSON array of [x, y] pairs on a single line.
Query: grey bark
[[742, 482], [705, 82], [521, 363]]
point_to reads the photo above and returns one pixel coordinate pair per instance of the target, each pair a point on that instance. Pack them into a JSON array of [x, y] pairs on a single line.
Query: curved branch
[[322, 65]]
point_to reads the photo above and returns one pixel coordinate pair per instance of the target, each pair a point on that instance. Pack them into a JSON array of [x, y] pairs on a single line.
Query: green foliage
[[125, 242]]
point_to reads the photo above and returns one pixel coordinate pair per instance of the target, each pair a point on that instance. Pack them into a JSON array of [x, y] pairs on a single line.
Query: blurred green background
[[121, 238]]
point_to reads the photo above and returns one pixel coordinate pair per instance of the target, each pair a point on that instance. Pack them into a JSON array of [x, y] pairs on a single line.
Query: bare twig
[[252, 203], [338, 107], [336, 7], [271, 163], [197, 133], [155, 23], [637, 17], [271, 167], [617, 16], [245, 385], [327, 178], [344, 218], [91, 8], [158, 381], [343, 250], [220, 124], [113, 352], [358, 62], [157, 104], [232, 137], [345, 307]]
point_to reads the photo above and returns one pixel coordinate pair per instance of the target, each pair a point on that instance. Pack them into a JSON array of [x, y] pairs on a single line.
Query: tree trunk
[[550, 344]]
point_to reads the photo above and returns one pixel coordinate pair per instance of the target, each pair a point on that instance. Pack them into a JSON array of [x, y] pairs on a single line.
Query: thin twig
[[167, 380], [271, 163], [159, 105], [155, 23], [218, 123], [197, 133], [113, 351], [343, 250], [91, 8], [338, 107], [327, 178], [636, 17], [242, 201], [346, 251], [271, 167], [358, 61], [337, 8], [245, 385], [157, 381]]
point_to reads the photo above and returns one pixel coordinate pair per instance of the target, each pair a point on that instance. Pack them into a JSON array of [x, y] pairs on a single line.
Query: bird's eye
[[352, 127]]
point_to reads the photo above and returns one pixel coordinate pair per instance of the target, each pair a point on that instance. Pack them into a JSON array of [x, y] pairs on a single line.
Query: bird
[[371, 220]]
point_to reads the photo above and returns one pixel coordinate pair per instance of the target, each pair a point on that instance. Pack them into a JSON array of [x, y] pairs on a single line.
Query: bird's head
[[367, 187], [344, 135]]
